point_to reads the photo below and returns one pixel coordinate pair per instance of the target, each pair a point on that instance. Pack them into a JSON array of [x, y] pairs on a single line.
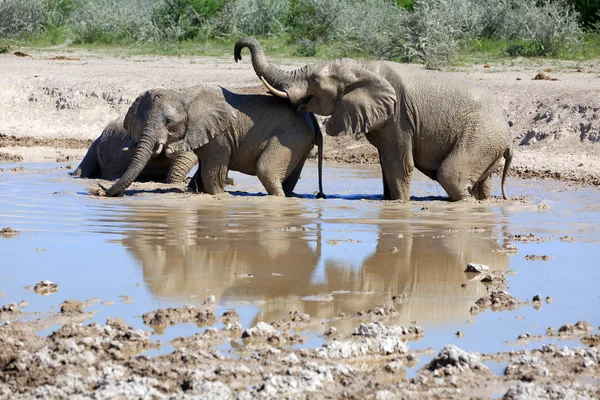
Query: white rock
[[476, 268]]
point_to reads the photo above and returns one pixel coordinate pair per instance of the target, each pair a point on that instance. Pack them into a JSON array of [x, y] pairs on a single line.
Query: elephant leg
[[214, 170], [454, 175], [290, 182], [397, 166], [483, 189], [195, 184], [90, 165], [274, 165], [386, 190], [271, 182]]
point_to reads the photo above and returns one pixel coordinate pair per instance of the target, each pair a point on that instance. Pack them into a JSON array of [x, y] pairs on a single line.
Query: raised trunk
[[279, 79], [140, 159], [181, 165]]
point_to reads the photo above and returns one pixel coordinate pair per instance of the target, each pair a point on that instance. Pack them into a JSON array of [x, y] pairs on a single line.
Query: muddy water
[[266, 257]]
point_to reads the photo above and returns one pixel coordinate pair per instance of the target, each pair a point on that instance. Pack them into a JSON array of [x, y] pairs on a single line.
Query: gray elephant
[[254, 134], [112, 152], [451, 130]]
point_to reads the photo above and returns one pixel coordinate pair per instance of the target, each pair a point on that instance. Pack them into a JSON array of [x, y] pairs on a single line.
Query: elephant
[[452, 130], [111, 153], [255, 134]]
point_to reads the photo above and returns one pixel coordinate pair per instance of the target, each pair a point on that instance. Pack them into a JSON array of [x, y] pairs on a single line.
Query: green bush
[[589, 12], [551, 27], [187, 19], [313, 19], [112, 21], [437, 30], [59, 11], [255, 17], [19, 18], [432, 31], [369, 27], [522, 48], [408, 4]]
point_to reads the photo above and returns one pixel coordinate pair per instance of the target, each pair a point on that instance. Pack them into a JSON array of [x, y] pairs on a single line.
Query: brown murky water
[[267, 257]]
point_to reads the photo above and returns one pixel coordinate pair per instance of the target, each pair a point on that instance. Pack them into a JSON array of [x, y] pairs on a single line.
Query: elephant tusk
[[159, 149], [271, 89]]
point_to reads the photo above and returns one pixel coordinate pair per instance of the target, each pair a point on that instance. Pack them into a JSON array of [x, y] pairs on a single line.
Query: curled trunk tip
[[248, 42], [276, 80], [140, 159]]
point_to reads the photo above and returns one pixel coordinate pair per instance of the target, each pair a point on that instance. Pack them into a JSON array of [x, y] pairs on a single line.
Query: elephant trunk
[[140, 159], [277, 81]]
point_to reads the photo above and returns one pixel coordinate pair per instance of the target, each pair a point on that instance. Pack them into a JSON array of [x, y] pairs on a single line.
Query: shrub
[[408, 4], [436, 28], [255, 17], [589, 12], [546, 28], [188, 19], [369, 27], [59, 11], [22, 18], [314, 20], [108, 21], [374, 27]]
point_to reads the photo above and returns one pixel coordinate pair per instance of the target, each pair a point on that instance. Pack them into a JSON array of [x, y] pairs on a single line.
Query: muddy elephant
[[255, 134], [112, 152], [453, 131]]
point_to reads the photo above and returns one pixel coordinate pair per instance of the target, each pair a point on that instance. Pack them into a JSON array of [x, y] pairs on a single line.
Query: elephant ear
[[208, 117], [137, 115], [366, 105]]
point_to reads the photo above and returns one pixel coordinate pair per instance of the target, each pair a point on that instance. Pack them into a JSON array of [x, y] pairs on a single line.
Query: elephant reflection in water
[[205, 248], [424, 256], [180, 258]]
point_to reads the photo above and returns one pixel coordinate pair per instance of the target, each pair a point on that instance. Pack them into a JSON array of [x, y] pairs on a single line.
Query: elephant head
[[358, 100], [155, 118]]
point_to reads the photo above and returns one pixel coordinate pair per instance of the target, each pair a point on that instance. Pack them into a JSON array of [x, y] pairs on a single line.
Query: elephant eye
[[168, 121]]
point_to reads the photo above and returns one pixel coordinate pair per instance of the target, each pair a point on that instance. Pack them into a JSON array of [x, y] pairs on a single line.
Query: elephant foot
[[194, 186]]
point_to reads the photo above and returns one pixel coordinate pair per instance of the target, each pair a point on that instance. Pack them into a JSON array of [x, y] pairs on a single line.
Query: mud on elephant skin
[[255, 134], [453, 131], [112, 152]]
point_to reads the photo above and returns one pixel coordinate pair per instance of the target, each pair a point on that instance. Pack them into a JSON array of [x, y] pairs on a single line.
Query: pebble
[[45, 287], [476, 268]]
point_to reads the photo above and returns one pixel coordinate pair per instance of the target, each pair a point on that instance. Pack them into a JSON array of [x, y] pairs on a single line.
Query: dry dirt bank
[[555, 123], [107, 361]]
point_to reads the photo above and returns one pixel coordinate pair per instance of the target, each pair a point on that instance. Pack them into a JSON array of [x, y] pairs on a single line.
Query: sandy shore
[[71, 96]]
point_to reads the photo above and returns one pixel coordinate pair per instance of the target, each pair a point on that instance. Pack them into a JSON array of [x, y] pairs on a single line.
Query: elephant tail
[[508, 156], [90, 165], [314, 125]]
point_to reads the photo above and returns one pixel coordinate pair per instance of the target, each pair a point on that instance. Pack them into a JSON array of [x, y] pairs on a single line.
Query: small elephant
[[111, 153], [453, 131], [254, 134]]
